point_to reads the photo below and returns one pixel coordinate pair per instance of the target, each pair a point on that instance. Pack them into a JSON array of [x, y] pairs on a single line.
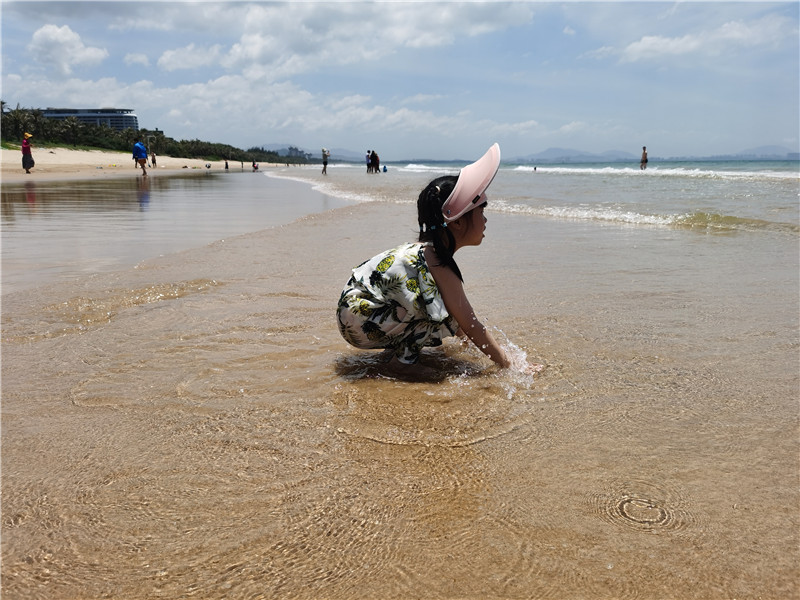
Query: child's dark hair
[[432, 226]]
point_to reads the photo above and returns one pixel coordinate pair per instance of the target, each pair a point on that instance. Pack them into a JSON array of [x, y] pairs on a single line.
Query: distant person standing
[[27, 156], [140, 155], [369, 162], [643, 163], [153, 159], [325, 154]]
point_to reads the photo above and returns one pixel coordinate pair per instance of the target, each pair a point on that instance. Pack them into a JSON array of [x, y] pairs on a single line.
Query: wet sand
[[196, 427]]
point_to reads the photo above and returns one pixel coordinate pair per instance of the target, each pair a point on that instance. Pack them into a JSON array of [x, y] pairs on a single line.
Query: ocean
[[712, 196], [192, 210], [180, 417]]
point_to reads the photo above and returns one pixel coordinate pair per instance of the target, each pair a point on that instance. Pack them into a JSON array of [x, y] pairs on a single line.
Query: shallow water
[[196, 427], [63, 230]]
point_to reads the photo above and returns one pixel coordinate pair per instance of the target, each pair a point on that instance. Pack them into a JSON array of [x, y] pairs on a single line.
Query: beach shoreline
[[53, 164]]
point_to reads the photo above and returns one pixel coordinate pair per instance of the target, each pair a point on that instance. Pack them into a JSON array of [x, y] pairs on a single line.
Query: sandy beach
[[194, 426], [54, 164]]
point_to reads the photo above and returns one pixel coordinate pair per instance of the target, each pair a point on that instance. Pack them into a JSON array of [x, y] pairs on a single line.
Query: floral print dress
[[391, 301]]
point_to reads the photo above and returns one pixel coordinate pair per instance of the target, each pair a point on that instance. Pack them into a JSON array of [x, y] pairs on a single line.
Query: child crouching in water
[[412, 296]]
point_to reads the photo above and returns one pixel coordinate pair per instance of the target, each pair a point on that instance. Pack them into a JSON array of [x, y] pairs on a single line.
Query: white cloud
[[652, 46], [422, 98], [573, 127], [515, 129], [294, 38], [62, 48], [136, 59], [106, 91], [190, 57], [568, 30], [601, 53], [729, 37]]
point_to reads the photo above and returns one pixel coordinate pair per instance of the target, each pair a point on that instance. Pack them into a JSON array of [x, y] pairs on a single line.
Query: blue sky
[[436, 80]]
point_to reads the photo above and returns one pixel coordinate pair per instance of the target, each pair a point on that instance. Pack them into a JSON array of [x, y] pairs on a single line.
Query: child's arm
[[457, 304]]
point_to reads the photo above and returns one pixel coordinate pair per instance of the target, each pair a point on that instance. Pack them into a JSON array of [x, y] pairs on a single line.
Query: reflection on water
[[59, 199], [69, 229], [30, 195], [143, 192]]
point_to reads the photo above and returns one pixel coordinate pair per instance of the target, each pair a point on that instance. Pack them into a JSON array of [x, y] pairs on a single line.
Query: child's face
[[476, 226]]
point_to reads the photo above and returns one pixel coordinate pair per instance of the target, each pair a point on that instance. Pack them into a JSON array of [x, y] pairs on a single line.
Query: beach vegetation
[[85, 136]]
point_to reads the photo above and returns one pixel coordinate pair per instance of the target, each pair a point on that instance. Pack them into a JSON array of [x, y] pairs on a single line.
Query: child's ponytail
[[432, 226]]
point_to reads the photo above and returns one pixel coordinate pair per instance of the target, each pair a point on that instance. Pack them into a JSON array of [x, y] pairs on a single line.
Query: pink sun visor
[[472, 183]]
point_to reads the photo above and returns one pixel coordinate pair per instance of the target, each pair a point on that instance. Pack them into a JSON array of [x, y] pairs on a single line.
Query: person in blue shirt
[[140, 155]]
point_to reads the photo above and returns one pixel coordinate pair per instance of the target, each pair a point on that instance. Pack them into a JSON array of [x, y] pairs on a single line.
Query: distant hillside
[[554, 154], [766, 151], [571, 155], [336, 153]]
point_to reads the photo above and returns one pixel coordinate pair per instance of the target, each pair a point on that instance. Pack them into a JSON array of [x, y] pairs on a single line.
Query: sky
[[439, 80]]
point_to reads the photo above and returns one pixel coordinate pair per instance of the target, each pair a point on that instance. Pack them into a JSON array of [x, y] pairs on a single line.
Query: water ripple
[[644, 506]]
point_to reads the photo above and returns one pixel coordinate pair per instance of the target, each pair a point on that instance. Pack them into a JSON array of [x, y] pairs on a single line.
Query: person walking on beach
[[412, 296], [27, 156], [153, 159], [325, 154], [369, 162], [643, 162], [140, 155]]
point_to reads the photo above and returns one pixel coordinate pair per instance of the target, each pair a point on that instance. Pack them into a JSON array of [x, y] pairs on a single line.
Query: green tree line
[[71, 132]]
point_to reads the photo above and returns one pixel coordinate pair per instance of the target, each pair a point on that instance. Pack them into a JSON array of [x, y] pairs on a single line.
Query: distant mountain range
[[571, 155], [560, 155]]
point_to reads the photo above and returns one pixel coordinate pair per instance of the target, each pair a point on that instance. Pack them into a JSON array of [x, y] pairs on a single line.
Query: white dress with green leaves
[[391, 301]]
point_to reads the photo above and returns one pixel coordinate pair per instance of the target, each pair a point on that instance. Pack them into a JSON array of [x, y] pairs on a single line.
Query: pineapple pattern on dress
[[391, 301]]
